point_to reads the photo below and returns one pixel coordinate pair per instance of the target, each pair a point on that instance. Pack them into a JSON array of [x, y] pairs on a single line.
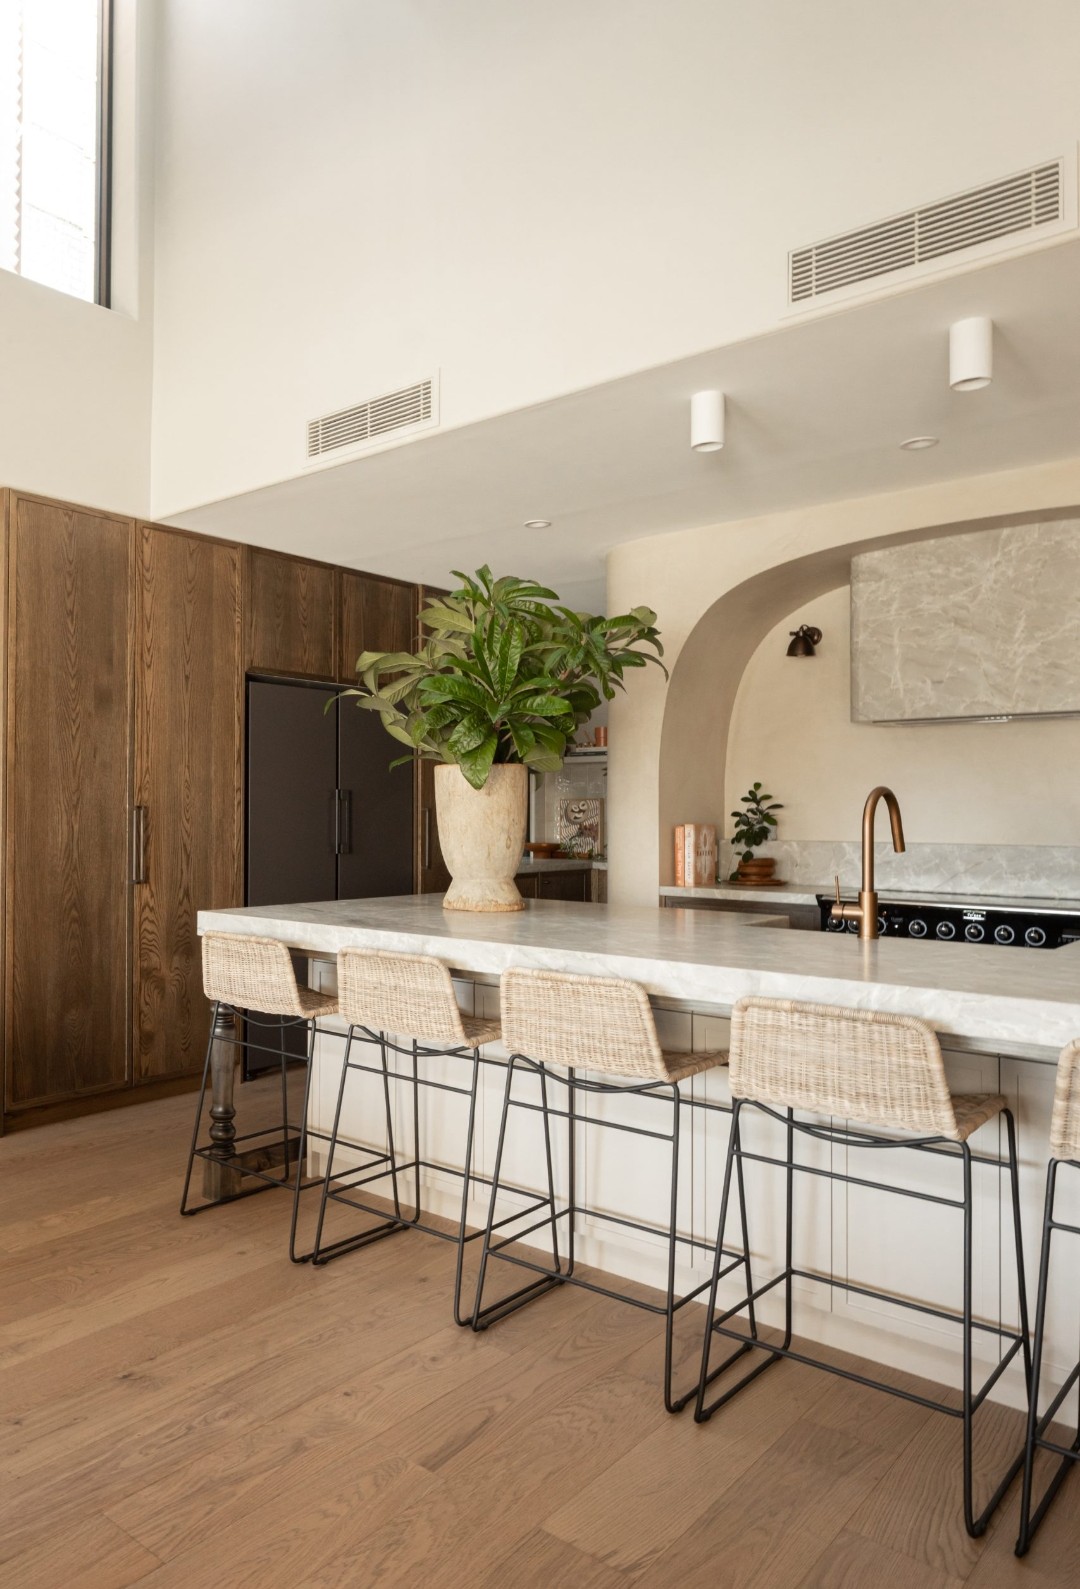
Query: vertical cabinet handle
[[138, 844], [425, 839], [346, 821], [336, 801]]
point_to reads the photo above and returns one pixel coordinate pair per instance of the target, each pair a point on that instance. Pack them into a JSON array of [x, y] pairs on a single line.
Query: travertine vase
[[482, 833]]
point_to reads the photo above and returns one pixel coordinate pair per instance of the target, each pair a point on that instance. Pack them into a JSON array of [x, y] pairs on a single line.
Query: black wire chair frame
[[1037, 1426], [561, 1271], [340, 1187], [971, 1399], [226, 1153]]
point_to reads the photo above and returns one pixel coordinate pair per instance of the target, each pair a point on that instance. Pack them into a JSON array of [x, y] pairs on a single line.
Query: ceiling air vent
[[405, 409], [1016, 204]]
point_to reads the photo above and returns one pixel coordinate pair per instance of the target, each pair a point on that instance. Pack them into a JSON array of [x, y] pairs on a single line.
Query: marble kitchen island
[[1002, 1015]]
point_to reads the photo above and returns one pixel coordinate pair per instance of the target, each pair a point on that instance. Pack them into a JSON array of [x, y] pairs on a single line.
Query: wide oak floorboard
[[180, 1406]]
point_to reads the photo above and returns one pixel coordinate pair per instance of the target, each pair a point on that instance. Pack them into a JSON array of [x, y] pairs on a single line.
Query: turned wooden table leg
[[220, 1179]]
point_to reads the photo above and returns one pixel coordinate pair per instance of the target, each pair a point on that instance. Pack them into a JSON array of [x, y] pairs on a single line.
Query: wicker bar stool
[[379, 994], [254, 976], [1064, 1151], [884, 1072], [554, 1023]]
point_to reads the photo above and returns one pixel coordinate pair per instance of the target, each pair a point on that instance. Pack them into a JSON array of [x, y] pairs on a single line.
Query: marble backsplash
[[1018, 870]]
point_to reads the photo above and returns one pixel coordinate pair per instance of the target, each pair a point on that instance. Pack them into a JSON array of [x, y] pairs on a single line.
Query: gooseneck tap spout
[[866, 911]]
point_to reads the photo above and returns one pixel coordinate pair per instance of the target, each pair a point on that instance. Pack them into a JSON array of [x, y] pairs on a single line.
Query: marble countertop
[[987, 996], [807, 894]]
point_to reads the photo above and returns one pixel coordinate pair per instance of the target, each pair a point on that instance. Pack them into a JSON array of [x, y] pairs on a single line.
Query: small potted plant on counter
[[502, 682], [753, 825]]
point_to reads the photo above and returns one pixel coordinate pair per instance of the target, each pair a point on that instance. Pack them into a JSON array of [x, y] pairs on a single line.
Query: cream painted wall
[[742, 578], [531, 199], [76, 390], [970, 783]]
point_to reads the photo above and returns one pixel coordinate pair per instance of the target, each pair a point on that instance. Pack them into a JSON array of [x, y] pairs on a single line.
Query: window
[[54, 143]]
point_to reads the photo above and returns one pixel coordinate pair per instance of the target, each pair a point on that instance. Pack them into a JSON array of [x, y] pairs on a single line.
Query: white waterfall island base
[[1002, 1014]]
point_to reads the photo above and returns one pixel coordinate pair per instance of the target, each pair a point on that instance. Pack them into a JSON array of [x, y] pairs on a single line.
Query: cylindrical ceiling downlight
[[971, 354], [707, 421]]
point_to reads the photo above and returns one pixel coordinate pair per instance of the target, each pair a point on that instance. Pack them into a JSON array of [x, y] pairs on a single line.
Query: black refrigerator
[[326, 817]]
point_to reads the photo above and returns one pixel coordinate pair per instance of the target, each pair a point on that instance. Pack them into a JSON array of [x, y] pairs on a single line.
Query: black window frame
[[103, 173]]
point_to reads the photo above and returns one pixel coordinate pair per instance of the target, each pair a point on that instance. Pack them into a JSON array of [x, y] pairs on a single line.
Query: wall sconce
[[803, 641]]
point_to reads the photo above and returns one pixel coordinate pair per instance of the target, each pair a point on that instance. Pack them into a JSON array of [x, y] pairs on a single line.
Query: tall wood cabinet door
[[432, 873], [70, 638], [188, 747], [291, 610], [376, 615]]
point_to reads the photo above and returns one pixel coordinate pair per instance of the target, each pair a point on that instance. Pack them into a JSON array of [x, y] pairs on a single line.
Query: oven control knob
[[917, 928], [975, 932], [1035, 937], [946, 929], [852, 926], [832, 925], [1004, 933]]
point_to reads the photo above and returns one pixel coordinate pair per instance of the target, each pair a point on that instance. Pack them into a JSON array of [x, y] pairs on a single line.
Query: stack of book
[[697, 855]]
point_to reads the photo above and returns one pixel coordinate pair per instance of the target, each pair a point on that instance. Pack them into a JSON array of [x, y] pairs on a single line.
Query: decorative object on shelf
[[503, 680], [697, 854], [543, 849], [803, 641], [580, 827], [600, 739], [753, 825]]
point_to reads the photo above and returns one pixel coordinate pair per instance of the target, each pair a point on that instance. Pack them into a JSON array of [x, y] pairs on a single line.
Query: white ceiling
[[816, 412]]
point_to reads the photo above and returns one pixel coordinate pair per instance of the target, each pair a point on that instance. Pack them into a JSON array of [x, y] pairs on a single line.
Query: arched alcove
[[713, 659]]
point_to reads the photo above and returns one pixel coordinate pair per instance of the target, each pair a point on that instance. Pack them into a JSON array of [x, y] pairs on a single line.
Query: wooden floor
[[181, 1406]]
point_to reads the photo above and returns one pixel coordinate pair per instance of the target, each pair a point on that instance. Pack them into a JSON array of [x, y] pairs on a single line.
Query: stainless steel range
[[1021, 924]]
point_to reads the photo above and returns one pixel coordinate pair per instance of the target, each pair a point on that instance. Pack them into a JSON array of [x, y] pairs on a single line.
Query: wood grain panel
[[432, 872], [188, 745], [376, 615], [70, 626], [291, 615]]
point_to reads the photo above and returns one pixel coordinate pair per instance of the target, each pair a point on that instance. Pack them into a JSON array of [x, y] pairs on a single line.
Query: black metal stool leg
[[198, 1112], [789, 1226], [571, 1168], [483, 1316], [302, 1152], [1028, 1524], [389, 1112], [673, 1216], [331, 1148], [466, 1186], [556, 1262]]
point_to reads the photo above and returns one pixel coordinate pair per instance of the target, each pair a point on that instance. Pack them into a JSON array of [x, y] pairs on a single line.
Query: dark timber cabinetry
[[124, 651]]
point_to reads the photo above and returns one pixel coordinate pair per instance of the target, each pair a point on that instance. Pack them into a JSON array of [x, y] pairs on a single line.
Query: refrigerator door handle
[[345, 796], [335, 799]]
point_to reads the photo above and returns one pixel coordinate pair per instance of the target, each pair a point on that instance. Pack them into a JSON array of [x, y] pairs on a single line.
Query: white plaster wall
[[533, 199], [685, 575], [76, 389], [958, 783]]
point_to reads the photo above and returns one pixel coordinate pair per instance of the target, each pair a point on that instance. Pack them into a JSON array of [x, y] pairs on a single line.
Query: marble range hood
[[976, 626]]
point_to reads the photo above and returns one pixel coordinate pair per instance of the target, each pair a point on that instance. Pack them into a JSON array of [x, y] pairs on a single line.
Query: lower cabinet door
[[188, 739], [564, 885]]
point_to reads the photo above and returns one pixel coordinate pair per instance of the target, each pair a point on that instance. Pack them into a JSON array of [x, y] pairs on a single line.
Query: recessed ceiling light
[[919, 443], [538, 524]]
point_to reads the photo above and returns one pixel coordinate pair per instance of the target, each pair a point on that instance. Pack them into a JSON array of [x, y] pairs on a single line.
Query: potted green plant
[[504, 677], [753, 825]]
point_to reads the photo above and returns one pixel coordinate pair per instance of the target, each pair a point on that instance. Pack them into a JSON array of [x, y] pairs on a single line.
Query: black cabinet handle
[[335, 800], [346, 824], [138, 844]]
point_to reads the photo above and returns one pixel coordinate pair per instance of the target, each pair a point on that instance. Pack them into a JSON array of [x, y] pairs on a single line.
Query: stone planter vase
[[482, 833]]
